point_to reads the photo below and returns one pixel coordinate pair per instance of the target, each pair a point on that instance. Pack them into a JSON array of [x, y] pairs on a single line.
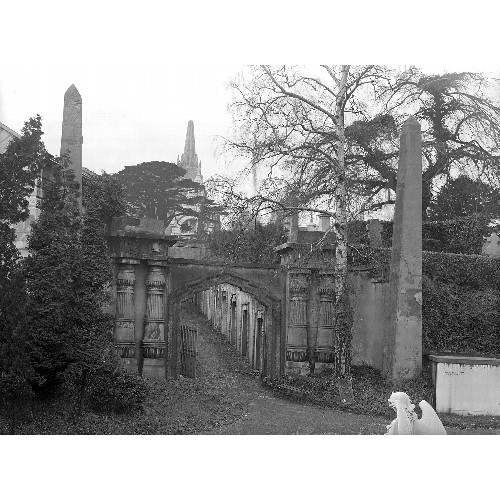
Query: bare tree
[[295, 121]]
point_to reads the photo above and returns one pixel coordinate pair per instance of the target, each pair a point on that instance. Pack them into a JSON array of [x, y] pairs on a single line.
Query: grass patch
[[371, 392], [176, 407]]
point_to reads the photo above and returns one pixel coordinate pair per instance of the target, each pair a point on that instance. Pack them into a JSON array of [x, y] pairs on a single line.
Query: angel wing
[[402, 424], [429, 424]]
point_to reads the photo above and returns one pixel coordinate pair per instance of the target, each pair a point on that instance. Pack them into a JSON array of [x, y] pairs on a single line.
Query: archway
[[261, 336]]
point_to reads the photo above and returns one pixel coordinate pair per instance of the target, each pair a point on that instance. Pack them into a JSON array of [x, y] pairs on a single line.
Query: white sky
[[129, 115], [142, 75]]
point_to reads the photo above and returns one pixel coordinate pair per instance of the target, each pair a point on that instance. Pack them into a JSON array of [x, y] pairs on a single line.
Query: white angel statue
[[407, 422]]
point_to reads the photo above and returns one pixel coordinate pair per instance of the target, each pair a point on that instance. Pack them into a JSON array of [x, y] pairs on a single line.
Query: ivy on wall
[[461, 235], [250, 245], [461, 301]]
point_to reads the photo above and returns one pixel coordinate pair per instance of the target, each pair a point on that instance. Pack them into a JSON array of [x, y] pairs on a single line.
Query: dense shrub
[[472, 271], [15, 398], [20, 164], [461, 300], [250, 245], [116, 391], [357, 233], [460, 320], [106, 388], [461, 235], [461, 304]]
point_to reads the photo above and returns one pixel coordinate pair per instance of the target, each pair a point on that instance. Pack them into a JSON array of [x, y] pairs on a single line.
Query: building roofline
[[9, 130]]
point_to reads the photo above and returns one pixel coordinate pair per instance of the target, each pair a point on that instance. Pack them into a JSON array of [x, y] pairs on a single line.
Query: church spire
[[189, 147], [189, 159]]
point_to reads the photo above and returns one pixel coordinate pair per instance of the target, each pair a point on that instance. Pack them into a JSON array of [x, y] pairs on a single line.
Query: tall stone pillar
[[153, 342], [124, 335], [297, 339], [71, 137], [403, 343], [327, 341]]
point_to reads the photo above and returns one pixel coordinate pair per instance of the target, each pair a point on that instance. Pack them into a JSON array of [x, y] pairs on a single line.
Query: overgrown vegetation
[[250, 245], [463, 197], [55, 333], [460, 235], [20, 164], [371, 392], [370, 389], [461, 307]]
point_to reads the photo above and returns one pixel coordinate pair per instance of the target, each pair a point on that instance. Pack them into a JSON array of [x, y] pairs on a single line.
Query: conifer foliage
[[68, 274], [53, 267], [20, 164]]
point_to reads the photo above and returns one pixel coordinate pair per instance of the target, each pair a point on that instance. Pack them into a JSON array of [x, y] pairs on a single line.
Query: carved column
[[327, 337], [297, 321], [125, 313], [153, 343]]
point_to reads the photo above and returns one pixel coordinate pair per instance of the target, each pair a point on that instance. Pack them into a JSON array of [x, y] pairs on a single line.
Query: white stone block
[[467, 385]]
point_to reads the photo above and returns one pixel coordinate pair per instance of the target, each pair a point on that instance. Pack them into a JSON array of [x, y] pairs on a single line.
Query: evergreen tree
[[158, 190], [68, 275], [20, 164], [104, 196], [52, 267], [462, 197]]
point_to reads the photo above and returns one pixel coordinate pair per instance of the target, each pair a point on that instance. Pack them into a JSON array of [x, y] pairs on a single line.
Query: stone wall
[[240, 318], [368, 298]]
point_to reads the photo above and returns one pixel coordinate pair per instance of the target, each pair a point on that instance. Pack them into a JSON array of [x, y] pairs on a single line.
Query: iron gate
[[189, 350]]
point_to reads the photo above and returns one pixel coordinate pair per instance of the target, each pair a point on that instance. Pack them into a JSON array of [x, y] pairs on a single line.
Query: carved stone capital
[[299, 283], [126, 276], [326, 285], [155, 278]]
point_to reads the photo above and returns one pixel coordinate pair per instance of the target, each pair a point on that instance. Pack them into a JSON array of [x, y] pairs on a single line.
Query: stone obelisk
[[71, 138], [403, 343]]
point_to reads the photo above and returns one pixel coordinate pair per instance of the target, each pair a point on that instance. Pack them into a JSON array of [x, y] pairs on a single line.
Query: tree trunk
[[342, 306]]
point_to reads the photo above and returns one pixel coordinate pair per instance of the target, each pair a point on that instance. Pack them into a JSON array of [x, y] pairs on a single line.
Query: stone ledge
[[465, 360]]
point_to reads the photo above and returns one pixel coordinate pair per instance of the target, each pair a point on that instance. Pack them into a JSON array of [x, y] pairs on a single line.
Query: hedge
[[461, 304], [473, 271], [461, 301], [460, 321], [462, 235]]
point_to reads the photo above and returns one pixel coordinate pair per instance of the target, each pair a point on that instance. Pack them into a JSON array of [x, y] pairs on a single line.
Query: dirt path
[[257, 409], [262, 411]]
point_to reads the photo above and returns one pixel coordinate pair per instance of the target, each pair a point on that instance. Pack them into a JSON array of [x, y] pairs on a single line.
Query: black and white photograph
[[206, 232]]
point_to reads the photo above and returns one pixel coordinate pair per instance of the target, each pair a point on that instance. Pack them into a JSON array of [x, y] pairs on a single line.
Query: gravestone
[[71, 137], [403, 343]]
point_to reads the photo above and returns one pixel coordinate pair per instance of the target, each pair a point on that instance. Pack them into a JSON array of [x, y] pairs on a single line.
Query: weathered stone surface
[[403, 343], [492, 245], [375, 227], [71, 137], [324, 223]]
